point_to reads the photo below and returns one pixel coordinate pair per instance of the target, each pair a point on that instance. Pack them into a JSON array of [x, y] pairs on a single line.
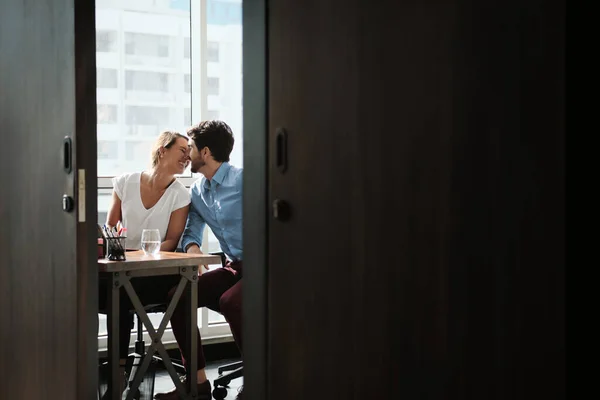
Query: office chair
[[220, 384]]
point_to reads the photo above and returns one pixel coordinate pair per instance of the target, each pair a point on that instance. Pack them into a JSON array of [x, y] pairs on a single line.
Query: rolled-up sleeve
[[194, 228]]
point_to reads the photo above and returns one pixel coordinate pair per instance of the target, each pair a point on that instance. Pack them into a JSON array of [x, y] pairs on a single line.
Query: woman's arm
[[114, 212], [175, 229]]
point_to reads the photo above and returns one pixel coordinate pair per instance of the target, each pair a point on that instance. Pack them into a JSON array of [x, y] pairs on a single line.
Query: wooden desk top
[[137, 260]]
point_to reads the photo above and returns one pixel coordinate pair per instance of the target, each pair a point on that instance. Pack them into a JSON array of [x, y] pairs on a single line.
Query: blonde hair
[[166, 139]]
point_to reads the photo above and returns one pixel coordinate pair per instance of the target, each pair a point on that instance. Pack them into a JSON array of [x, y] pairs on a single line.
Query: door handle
[[281, 150], [67, 155], [67, 203], [281, 210]]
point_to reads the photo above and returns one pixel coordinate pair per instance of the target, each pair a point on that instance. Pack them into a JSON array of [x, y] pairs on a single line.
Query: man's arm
[[192, 235], [193, 232]]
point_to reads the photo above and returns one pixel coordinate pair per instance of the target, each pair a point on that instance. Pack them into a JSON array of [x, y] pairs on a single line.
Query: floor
[[163, 381]]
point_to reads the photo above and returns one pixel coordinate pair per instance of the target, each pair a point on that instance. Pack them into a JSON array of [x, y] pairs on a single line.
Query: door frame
[[255, 208], [85, 192]]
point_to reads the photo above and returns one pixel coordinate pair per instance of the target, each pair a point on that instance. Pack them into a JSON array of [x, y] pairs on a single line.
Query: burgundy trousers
[[221, 291]]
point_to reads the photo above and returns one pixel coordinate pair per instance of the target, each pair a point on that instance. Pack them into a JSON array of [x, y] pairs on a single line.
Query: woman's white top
[[135, 217]]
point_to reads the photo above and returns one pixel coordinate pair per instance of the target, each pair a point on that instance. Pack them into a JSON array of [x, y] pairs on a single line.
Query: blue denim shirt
[[218, 203]]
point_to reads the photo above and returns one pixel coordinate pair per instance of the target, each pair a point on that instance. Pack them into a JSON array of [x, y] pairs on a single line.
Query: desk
[[118, 274]]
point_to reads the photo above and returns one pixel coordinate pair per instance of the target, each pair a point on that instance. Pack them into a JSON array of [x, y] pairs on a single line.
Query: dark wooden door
[[424, 256], [48, 284]]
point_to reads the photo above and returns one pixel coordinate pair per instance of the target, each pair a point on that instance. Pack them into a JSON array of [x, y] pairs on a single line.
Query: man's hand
[[195, 249]]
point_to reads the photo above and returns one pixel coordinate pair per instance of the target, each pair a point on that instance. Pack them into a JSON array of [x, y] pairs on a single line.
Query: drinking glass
[[151, 241]]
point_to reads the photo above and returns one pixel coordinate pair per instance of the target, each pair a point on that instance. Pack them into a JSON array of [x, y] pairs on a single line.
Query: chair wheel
[[219, 393]]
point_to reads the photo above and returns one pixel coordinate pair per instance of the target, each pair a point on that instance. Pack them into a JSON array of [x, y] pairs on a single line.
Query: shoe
[[204, 392], [240, 393]]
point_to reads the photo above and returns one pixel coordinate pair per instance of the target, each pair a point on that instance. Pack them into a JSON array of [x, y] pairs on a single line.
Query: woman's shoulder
[[179, 189], [128, 177], [123, 181]]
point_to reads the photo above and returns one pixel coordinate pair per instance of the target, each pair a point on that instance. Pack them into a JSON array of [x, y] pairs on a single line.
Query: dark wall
[[425, 253]]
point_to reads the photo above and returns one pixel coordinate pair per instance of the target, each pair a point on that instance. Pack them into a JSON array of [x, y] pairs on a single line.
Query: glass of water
[[151, 241]]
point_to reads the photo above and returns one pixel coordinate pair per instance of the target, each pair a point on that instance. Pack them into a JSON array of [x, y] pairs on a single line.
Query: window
[[107, 150], [144, 115], [224, 13], [107, 114], [212, 114], [213, 86], [186, 48], [187, 83], [137, 150], [106, 78], [147, 81], [224, 28], [212, 52], [157, 85], [104, 200], [106, 41], [143, 44]]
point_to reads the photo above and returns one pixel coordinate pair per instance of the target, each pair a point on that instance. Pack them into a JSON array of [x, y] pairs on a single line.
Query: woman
[[151, 199]]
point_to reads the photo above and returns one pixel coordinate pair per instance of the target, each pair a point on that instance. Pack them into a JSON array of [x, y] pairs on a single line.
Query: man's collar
[[219, 175]]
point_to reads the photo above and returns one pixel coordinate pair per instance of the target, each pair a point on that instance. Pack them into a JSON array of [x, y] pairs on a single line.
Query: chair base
[[230, 367], [220, 384], [223, 380]]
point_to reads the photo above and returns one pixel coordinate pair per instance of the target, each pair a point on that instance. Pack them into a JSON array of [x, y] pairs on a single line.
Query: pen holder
[[115, 248]]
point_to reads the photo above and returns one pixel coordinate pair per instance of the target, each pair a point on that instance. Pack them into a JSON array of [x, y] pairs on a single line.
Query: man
[[216, 202]]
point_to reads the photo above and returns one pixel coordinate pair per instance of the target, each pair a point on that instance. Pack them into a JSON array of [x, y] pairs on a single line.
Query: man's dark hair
[[214, 134]]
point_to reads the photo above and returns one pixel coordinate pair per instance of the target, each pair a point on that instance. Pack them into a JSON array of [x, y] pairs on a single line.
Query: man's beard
[[197, 165]]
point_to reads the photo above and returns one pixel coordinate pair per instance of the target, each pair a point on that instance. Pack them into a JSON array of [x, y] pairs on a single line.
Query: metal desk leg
[[192, 328], [155, 338], [113, 336]]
